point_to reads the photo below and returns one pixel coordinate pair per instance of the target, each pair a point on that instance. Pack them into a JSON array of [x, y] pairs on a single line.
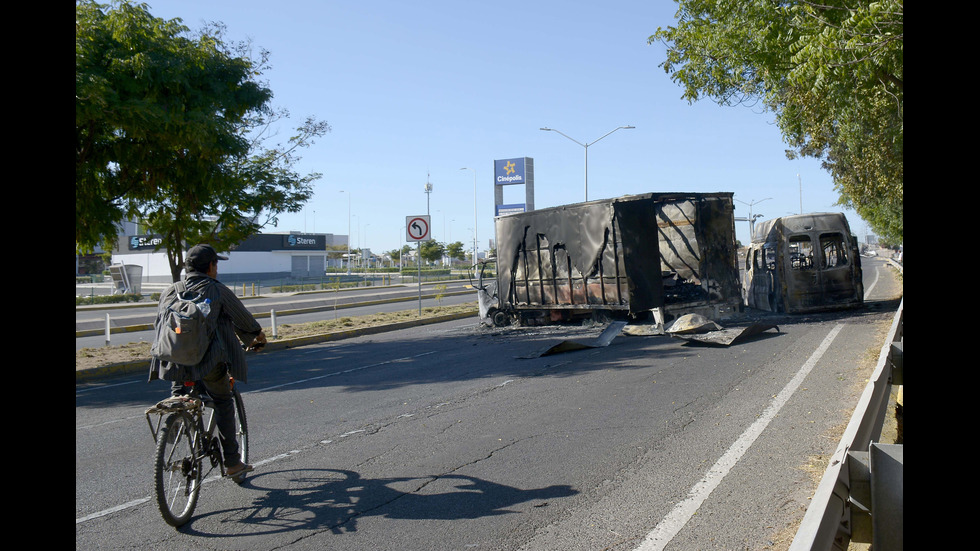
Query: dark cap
[[200, 257]]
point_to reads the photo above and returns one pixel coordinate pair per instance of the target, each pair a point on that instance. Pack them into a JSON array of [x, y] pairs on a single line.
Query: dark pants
[[218, 386]]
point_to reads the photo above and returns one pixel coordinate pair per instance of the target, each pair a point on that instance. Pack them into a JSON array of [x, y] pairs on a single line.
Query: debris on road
[[603, 340], [696, 328]]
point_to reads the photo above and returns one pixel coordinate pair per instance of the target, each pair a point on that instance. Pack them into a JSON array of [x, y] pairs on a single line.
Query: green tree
[[455, 251], [173, 129], [335, 252], [432, 250], [831, 72]]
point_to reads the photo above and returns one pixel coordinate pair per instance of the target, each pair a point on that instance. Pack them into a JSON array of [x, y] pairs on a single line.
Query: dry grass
[[816, 465], [345, 323]]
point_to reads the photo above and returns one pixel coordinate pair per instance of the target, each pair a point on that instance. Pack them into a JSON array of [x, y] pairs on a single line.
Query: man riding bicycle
[[224, 357]]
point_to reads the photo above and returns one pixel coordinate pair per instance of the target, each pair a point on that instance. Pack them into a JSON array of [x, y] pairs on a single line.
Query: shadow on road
[[336, 500]]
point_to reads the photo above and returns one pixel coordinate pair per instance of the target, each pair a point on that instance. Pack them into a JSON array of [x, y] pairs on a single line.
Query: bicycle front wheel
[[241, 430], [177, 469]]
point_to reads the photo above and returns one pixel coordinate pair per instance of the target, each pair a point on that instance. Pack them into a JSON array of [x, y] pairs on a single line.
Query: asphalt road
[[455, 436], [90, 321]]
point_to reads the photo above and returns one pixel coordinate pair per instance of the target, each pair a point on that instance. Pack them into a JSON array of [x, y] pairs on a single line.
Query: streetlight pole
[[801, 191], [752, 218], [401, 254], [358, 242], [474, 216], [586, 146], [348, 231], [428, 190], [365, 242]]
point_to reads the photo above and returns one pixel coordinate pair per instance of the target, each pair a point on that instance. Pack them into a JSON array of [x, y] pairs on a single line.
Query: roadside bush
[[108, 299]]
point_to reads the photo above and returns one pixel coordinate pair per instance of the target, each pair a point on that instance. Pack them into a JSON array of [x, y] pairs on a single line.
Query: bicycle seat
[[197, 390]]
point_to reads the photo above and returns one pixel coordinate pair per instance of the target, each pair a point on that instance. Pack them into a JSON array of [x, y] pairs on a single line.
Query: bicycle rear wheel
[[177, 470], [241, 430]]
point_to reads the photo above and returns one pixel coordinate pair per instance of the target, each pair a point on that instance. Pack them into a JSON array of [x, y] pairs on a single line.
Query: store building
[[260, 257]]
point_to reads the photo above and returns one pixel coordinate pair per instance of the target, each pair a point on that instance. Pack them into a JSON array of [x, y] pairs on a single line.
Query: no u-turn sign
[[417, 228]]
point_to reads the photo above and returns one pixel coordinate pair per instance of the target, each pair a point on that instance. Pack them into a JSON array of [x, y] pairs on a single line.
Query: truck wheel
[[500, 319]]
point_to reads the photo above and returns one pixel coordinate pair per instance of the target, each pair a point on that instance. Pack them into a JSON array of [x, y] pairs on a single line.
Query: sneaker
[[239, 469]]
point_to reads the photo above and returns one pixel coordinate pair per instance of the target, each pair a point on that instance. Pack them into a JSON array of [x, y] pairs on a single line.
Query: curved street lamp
[[586, 146], [752, 218]]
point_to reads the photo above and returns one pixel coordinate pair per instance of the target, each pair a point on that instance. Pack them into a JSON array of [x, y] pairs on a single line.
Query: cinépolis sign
[[510, 171]]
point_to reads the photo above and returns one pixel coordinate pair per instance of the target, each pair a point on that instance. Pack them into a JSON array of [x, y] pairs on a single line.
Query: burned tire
[[500, 318]]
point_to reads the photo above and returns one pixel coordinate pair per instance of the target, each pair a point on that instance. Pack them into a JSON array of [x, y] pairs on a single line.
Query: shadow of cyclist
[[330, 499]]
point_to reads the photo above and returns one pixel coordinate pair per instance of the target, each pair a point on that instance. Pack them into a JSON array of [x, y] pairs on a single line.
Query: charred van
[[803, 263]]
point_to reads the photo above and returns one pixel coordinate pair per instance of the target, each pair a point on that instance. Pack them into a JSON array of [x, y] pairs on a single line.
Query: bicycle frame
[[194, 406], [202, 414], [185, 434]]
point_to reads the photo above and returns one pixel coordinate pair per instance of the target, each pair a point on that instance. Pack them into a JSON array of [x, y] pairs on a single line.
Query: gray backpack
[[183, 332]]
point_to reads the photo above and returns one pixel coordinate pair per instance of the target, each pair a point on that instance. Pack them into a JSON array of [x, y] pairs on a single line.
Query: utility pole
[[428, 190], [474, 217], [801, 191]]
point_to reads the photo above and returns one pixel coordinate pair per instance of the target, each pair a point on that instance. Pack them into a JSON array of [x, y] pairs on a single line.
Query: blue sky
[[414, 91]]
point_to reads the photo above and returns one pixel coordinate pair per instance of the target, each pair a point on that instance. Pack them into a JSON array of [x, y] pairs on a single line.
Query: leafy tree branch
[[832, 73], [174, 128]]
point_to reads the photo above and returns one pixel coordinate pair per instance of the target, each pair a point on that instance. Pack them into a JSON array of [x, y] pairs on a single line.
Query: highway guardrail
[[860, 496]]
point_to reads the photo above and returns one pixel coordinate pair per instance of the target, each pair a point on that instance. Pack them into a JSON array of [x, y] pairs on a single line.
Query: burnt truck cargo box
[[660, 253]]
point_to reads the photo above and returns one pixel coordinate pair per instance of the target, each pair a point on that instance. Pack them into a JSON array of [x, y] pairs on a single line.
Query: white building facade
[[262, 256]]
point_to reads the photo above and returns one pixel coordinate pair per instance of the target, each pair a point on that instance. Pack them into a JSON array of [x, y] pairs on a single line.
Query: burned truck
[[654, 255], [804, 263]]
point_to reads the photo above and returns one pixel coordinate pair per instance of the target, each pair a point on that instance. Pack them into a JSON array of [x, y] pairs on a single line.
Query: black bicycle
[[185, 436]]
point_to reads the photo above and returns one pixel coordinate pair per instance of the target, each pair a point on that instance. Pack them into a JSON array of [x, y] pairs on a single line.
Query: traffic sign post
[[417, 228]]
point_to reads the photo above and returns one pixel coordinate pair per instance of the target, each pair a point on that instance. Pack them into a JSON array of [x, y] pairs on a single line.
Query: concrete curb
[[128, 368]]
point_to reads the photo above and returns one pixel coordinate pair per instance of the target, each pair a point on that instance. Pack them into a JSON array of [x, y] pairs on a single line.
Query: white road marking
[[669, 527], [143, 500], [867, 292]]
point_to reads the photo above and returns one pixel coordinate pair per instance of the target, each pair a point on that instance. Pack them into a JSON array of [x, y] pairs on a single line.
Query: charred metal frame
[[615, 255]]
